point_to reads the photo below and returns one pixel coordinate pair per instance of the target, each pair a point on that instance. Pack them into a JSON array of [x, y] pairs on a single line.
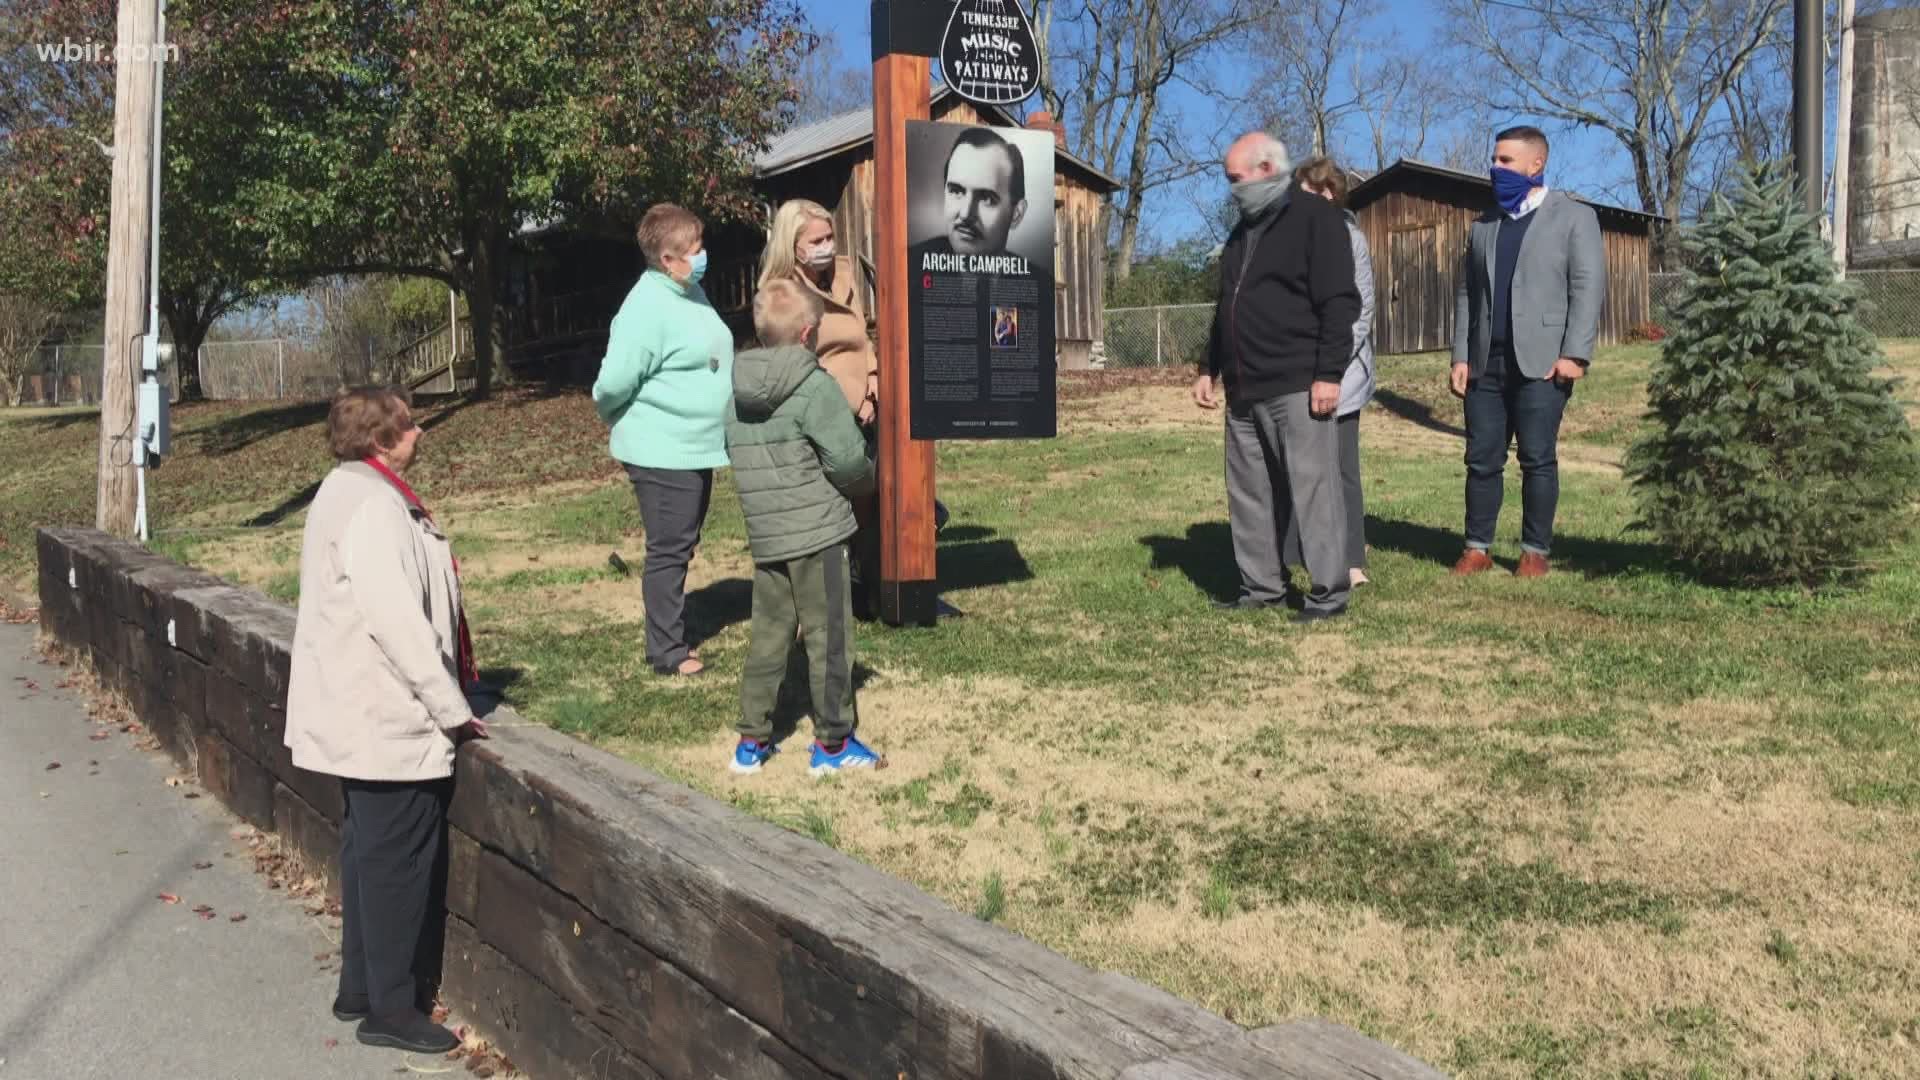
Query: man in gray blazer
[[1526, 316]]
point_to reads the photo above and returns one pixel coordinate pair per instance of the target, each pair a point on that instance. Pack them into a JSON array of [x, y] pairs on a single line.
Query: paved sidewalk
[[98, 978]]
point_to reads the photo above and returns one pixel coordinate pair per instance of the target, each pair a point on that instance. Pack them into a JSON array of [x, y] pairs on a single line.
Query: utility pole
[[1843, 141], [1809, 78], [129, 235]]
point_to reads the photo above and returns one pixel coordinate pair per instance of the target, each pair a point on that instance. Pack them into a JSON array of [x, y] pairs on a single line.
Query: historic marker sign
[[980, 281], [988, 55]]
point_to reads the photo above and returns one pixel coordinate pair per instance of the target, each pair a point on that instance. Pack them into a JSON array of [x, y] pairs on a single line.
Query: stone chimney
[[1044, 121]]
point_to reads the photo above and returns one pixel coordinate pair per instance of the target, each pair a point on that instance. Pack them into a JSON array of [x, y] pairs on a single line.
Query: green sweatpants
[[814, 594]]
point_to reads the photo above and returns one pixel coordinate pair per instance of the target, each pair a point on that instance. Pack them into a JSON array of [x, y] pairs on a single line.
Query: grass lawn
[[1616, 823]]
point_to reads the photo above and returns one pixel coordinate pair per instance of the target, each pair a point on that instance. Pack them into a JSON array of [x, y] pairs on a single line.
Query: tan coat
[[845, 351], [374, 691]]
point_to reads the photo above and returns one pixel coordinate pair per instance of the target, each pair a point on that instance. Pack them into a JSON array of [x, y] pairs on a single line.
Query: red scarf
[[469, 673]]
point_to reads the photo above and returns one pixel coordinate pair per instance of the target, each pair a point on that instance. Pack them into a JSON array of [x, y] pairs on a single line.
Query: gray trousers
[[673, 507], [1283, 464], [1349, 427]]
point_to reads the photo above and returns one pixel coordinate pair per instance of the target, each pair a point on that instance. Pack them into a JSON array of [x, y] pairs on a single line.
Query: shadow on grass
[[981, 564], [1587, 556], [235, 433], [1204, 555], [1416, 412], [714, 608], [1442, 546], [58, 422]]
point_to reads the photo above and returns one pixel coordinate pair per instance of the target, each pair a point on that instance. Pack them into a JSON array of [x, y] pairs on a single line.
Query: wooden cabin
[[831, 162], [565, 280], [1415, 217]]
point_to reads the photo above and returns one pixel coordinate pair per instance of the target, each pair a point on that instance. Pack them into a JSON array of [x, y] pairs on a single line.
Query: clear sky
[[1584, 160]]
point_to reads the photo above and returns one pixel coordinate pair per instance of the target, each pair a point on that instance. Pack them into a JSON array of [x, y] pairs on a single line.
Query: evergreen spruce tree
[[1775, 454]]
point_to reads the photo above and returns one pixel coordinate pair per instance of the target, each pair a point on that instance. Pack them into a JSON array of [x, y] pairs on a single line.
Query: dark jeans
[[1504, 406], [393, 882], [1354, 495], [814, 594], [673, 507]]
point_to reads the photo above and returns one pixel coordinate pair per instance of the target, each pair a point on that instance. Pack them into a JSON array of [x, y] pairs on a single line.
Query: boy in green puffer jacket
[[797, 456]]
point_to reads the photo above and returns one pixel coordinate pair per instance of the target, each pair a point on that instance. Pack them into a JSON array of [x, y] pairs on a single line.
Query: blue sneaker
[[750, 754], [854, 755]]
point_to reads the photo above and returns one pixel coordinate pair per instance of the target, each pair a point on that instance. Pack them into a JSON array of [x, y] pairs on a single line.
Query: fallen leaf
[[193, 794], [174, 781], [323, 956], [203, 866], [331, 1043], [52, 765], [242, 917], [483, 1072], [202, 909], [100, 736], [439, 1014], [167, 898]]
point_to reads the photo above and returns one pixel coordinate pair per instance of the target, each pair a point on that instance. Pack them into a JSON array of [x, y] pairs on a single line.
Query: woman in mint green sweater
[[663, 387]]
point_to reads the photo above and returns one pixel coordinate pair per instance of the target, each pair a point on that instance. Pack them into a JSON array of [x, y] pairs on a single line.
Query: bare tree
[[1653, 74], [25, 323], [1108, 68], [826, 87], [1307, 49]]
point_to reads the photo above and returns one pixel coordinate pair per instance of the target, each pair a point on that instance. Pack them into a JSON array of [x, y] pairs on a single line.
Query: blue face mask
[[697, 267], [1510, 188]]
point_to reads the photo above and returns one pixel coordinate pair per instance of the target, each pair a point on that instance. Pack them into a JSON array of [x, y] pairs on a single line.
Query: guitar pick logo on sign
[[988, 55]]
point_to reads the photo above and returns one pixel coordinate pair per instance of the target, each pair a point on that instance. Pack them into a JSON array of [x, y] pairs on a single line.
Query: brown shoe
[[1475, 561], [1532, 565]]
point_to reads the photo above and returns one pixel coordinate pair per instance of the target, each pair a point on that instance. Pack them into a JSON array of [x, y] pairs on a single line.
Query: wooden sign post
[[906, 33]]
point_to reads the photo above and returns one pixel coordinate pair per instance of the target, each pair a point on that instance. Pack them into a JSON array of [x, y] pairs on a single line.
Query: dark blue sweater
[[1506, 256]]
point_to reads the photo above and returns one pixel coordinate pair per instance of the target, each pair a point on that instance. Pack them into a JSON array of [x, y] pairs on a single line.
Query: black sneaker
[[408, 1031], [350, 1008], [1310, 616]]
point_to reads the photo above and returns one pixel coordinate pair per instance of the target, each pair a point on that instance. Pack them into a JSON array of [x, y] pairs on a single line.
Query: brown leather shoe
[[1475, 561], [1532, 565]]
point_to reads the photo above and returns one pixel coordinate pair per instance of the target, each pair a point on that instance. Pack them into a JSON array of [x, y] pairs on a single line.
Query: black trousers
[[393, 891]]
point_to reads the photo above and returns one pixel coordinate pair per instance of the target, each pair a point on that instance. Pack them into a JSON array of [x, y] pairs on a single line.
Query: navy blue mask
[[1511, 188]]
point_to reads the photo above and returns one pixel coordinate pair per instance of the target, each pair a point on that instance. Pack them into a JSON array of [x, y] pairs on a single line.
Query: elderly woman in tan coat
[[377, 696]]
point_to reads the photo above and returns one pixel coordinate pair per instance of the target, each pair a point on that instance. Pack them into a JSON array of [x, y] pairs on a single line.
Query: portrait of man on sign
[[979, 213]]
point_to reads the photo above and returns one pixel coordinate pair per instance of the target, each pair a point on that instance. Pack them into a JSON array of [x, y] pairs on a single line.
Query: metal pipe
[[1809, 103]]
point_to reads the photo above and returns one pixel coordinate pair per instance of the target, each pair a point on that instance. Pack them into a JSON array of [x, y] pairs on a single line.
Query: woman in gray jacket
[[376, 696], [1320, 176]]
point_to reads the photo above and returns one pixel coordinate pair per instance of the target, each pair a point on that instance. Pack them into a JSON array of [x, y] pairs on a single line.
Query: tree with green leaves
[[56, 120], [1776, 454], [417, 136]]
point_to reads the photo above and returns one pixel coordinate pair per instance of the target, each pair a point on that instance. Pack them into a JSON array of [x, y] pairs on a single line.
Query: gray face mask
[[1257, 198]]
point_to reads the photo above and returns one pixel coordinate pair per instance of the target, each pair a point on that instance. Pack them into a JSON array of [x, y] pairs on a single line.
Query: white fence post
[[56, 374], [1159, 336], [280, 347]]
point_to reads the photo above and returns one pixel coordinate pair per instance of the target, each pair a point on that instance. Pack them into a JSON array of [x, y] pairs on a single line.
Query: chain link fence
[[268, 369], [1891, 308], [1173, 336]]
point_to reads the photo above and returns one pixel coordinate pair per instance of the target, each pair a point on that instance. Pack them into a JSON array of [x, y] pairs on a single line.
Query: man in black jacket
[[1282, 339]]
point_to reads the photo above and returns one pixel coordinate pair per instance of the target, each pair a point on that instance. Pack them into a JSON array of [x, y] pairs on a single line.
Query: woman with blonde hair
[[800, 248]]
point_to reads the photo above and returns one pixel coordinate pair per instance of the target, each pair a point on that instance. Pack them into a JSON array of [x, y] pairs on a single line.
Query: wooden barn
[[831, 162], [565, 280], [1415, 217]]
